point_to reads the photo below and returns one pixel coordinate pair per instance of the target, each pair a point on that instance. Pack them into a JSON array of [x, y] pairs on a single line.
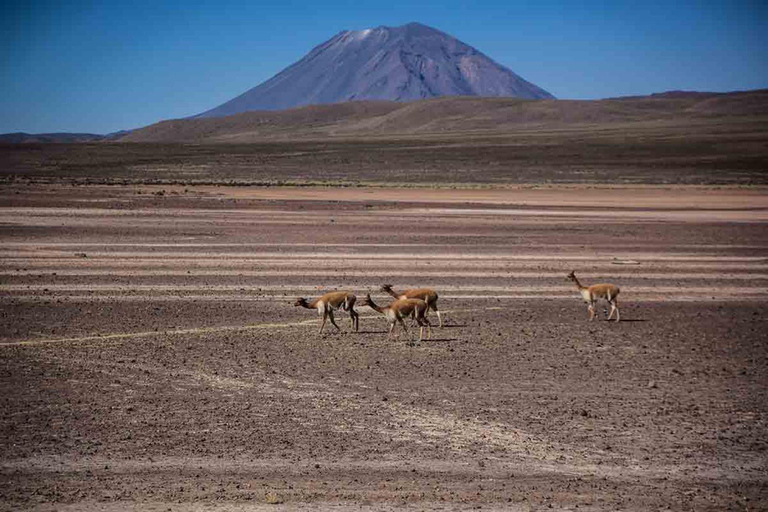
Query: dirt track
[[151, 358]]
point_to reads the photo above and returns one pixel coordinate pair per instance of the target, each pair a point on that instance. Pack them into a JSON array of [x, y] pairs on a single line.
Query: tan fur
[[591, 294], [329, 302], [403, 308], [426, 294]]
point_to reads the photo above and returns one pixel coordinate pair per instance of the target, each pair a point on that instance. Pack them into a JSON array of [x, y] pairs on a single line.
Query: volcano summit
[[410, 62]]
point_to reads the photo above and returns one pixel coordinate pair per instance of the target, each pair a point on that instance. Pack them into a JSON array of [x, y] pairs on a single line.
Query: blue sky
[[101, 66]]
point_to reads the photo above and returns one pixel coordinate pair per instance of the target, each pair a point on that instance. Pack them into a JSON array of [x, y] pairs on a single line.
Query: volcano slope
[[151, 356]]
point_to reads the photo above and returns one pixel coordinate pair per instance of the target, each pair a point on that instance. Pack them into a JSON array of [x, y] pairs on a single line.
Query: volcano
[[410, 62]]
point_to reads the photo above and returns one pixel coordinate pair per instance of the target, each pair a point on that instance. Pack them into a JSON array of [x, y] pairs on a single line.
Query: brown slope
[[735, 104], [452, 115], [261, 124]]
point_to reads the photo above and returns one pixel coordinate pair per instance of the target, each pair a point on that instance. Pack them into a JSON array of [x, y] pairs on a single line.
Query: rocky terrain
[[151, 358]]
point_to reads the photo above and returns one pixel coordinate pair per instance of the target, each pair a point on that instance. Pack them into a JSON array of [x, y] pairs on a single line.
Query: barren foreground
[[151, 357]]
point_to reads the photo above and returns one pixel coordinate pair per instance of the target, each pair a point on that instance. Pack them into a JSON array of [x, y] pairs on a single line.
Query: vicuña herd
[[416, 303], [411, 303]]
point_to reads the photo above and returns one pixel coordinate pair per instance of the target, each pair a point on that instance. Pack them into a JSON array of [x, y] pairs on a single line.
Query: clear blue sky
[[104, 65]]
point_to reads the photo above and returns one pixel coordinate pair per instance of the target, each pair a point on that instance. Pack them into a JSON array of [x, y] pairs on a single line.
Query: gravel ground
[[151, 357]]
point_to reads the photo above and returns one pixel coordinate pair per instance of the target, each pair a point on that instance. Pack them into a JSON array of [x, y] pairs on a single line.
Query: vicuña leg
[[614, 307], [333, 321], [405, 328], [325, 317], [422, 324], [433, 306]]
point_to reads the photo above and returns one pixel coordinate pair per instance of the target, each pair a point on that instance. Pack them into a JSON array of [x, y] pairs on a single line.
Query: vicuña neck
[[374, 306], [392, 292], [311, 305]]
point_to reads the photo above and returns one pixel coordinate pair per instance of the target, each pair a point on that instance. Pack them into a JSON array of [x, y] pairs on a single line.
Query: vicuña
[[427, 295], [329, 302], [591, 294], [400, 309]]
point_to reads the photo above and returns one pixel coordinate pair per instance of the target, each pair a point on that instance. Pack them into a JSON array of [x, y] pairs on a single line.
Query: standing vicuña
[[400, 309], [592, 293], [330, 301], [427, 295]]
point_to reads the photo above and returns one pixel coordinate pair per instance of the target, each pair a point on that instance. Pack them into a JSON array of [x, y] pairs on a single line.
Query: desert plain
[[151, 357]]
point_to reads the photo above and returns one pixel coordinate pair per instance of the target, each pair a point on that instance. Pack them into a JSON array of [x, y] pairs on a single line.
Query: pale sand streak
[[251, 256], [757, 205], [706, 290], [459, 222], [98, 215], [616, 216], [604, 196], [40, 245], [215, 265], [614, 273]]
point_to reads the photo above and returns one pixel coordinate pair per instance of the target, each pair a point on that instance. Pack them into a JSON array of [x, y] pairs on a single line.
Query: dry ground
[[151, 359]]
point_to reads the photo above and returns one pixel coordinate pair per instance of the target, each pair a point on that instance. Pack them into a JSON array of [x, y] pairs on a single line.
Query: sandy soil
[[151, 358]]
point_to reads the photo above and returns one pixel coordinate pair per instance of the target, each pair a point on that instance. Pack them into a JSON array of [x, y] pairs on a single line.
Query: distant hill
[[411, 62], [59, 137], [453, 115], [25, 138], [442, 116]]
